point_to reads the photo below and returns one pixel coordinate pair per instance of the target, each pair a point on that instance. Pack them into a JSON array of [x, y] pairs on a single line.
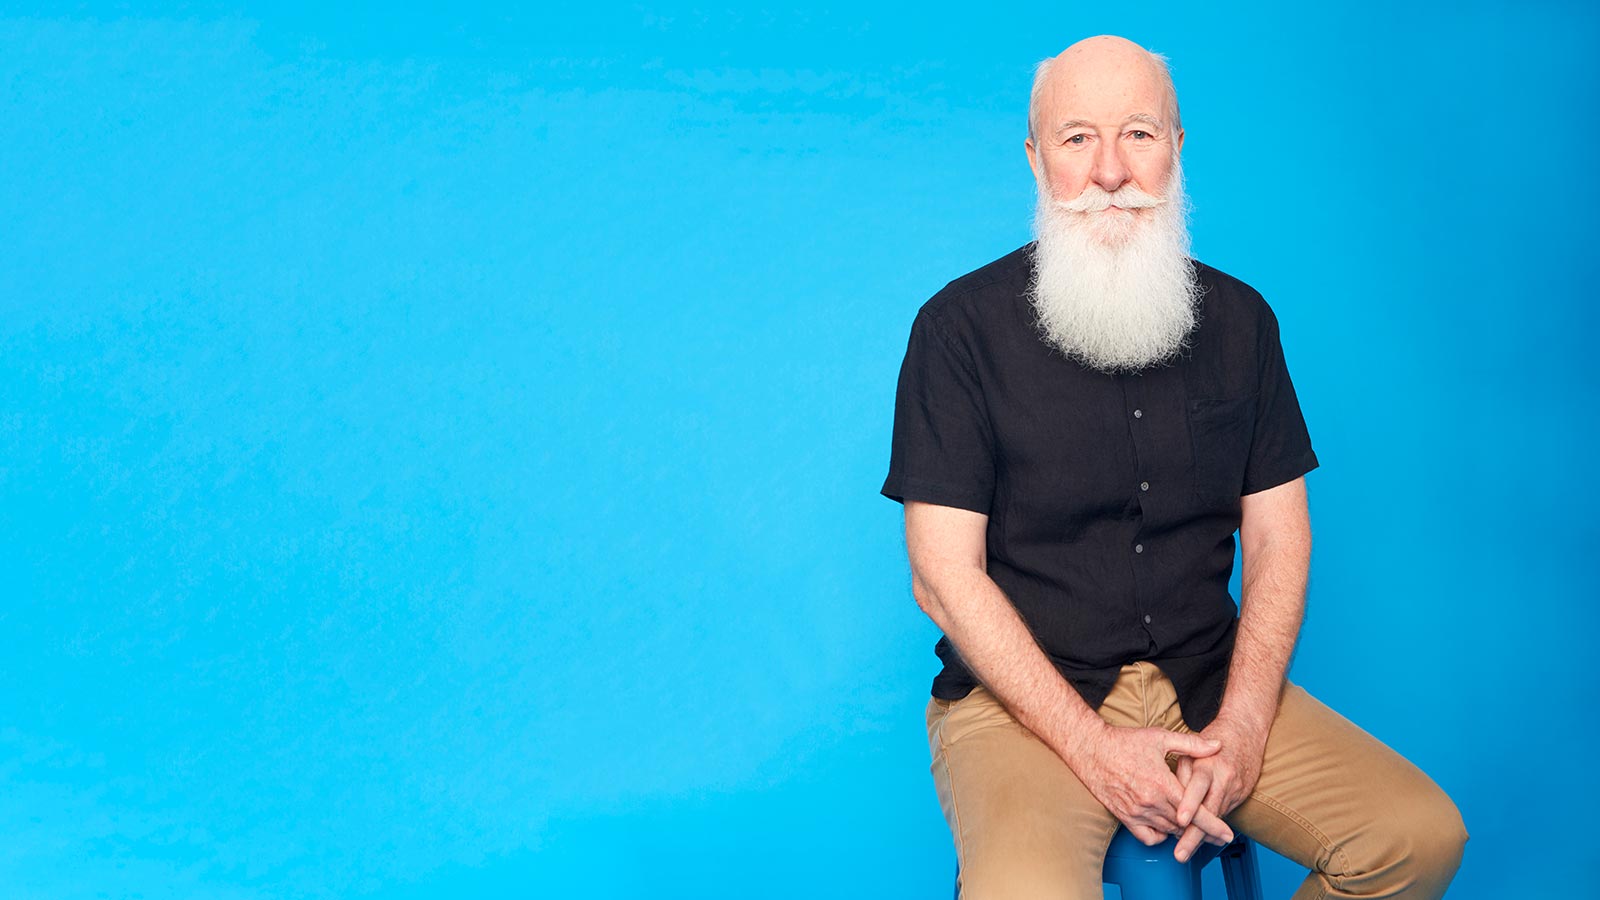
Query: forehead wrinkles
[[1101, 72], [1105, 98]]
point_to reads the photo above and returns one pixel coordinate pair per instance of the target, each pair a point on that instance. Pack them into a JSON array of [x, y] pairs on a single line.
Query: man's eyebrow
[[1141, 118], [1072, 123]]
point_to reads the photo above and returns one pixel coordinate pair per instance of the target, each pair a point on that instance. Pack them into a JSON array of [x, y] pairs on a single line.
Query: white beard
[[1115, 291]]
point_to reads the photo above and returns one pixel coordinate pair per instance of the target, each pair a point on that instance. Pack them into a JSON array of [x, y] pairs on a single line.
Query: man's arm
[[1123, 767], [1275, 542]]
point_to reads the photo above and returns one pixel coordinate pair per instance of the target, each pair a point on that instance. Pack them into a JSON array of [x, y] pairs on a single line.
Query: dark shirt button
[[1138, 414], [1147, 620], [1138, 548], [1144, 485]]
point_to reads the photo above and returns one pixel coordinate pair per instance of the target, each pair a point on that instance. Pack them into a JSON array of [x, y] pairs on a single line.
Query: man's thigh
[[1024, 826], [1339, 802]]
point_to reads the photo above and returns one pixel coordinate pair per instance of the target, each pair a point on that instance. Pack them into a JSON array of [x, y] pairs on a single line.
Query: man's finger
[[1157, 797], [1192, 836], [1215, 797], [1217, 831], [1147, 836], [1185, 769], [1189, 744], [1160, 823], [1193, 794]]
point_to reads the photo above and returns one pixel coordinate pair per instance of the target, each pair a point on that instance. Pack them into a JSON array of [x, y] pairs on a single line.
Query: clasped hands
[[1216, 770]]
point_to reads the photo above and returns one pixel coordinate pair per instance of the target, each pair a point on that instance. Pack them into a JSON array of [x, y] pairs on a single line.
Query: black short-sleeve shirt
[[1112, 499]]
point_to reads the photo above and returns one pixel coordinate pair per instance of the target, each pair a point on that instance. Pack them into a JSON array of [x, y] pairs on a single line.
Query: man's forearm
[[1272, 607], [996, 644]]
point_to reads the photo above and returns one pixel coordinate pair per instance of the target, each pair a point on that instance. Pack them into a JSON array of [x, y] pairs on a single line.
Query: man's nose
[[1110, 172]]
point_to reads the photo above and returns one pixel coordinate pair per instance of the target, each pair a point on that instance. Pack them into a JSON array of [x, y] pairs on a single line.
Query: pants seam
[[955, 810], [1144, 697], [1328, 845]]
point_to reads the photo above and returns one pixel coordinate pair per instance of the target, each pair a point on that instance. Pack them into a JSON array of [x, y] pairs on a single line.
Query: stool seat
[[1150, 873]]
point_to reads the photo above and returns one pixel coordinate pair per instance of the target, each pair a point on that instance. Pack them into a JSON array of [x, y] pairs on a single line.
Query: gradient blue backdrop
[[439, 450]]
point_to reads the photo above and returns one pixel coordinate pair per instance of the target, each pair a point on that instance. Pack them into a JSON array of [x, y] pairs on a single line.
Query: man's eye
[[1141, 135], [1077, 139]]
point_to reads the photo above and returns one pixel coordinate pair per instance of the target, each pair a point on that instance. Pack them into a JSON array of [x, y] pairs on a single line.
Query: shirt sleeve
[[942, 450], [1280, 450]]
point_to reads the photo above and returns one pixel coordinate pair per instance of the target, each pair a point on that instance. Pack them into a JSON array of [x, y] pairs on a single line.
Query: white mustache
[[1095, 198]]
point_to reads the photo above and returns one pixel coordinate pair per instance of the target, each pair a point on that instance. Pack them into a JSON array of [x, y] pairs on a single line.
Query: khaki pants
[[1331, 797]]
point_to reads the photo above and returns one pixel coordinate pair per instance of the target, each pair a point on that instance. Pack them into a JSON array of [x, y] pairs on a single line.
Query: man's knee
[[1433, 840], [1450, 840], [1419, 842]]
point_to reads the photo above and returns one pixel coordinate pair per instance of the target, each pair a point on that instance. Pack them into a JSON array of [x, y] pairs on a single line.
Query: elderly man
[[1080, 428]]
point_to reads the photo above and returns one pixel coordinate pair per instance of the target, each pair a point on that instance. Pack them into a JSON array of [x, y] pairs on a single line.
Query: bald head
[[1099, 70]]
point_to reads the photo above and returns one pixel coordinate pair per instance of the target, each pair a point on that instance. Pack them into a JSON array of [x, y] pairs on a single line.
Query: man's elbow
[[927, 598]]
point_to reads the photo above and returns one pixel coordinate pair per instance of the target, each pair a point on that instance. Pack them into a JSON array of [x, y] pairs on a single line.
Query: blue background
[[439, 450]]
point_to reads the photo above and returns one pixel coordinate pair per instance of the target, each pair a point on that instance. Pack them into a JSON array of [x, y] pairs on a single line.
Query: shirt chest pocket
[[1221, 431]]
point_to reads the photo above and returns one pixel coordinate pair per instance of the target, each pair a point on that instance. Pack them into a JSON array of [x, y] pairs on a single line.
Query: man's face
[[1103, 125]]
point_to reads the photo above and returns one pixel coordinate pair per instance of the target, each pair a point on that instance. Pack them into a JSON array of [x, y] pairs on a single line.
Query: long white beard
[[1115, 291]]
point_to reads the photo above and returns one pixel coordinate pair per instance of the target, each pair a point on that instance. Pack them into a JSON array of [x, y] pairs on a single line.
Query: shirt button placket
[[1138, 548]]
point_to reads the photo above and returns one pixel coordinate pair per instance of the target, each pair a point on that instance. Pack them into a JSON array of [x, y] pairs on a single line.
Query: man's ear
[[1180, 140], [1033, 157]]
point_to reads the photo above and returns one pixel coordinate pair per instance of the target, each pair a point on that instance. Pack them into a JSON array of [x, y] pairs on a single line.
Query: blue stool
[[1150, 873]]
